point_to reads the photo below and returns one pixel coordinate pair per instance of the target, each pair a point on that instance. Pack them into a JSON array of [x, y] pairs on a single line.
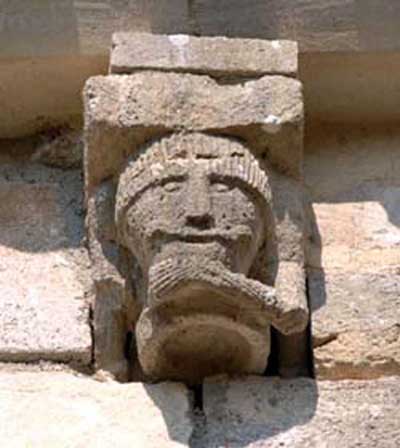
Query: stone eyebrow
[[172, 177], [208, 155]]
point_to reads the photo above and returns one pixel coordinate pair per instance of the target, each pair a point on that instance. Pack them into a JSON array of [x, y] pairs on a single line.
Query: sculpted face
[[193, 210], [195, 203]]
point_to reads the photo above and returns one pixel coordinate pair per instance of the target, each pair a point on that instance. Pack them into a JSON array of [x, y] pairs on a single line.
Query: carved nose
[[198, 212]]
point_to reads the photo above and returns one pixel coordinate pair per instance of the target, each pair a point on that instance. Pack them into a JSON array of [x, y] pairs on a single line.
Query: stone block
[[267, 412], [44, 309], [65, 410], [162, 109], [353, 251], [355, 323], [217, 57], [356, 236], [123, 112]]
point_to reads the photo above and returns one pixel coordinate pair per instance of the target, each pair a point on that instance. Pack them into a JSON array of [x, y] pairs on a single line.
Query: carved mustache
[[169, 276], [192, 235]]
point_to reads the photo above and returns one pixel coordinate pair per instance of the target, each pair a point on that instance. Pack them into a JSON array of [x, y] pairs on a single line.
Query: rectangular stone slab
[[356, 323], [44, 277], [353, 250], [214, 56], [122, 112], [57, 409], [268, 412]]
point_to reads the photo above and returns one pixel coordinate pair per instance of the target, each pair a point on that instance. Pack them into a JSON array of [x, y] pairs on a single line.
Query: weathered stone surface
[[194, 211], [43, 410], [47, 28], [122, 112], [180, 149], [356, 323], [48, 49], [34, 88], [211, 56], [361, 235], [44, 276], [61, 148], [267, 412], [353, 251]]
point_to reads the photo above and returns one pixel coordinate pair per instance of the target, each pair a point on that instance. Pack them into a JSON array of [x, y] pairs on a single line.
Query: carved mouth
[[238, 233]]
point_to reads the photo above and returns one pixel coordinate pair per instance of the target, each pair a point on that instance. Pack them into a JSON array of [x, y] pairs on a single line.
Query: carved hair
[[223, 156]]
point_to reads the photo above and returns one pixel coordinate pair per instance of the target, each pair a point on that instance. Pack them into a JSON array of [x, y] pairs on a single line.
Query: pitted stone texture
[[174, 279], [355, 236], [195, 211], [214, 56], [44, 276], [60, 148], [261, 412], [353, 251], [55, 409], [356, 323], [123, 112]]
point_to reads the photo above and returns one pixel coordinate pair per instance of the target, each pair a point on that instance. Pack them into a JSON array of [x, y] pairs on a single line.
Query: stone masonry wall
[[45, 284], [49, 395], [353, 286], [353, 250]]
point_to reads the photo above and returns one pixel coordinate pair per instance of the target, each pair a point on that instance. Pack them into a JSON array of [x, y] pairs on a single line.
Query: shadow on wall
[[244, 410], [41, 208], [353, 182], [40, 27], [207, 17]]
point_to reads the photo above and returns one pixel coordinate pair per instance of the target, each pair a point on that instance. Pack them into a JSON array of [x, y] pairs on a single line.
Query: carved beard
[[173, 280]]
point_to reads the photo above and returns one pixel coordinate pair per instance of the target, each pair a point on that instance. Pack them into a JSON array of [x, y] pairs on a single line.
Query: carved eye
[[219, 187], [172, 186]]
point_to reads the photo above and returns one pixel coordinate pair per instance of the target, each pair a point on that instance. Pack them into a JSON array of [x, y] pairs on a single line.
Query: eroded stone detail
[[195, 221], [195, 211]]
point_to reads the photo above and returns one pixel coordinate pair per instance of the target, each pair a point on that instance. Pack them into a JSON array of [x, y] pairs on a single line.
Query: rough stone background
[[49, 48], [260, 413], [72, 27], [45, 284], [352, 165], [353, 250], [58, 408], [65, 410]]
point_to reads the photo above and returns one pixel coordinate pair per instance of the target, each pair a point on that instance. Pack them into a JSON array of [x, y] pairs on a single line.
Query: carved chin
[[193, 346], [200, 322]]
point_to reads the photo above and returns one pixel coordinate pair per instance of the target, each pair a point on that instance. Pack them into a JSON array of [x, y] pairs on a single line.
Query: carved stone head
[[193, 210], [193, 196]]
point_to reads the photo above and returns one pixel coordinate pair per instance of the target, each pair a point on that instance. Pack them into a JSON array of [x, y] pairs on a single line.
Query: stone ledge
[[355, 322], [123, 112], [217, 57], [44, 275], [59, 409], [63, 409], [266, 412]]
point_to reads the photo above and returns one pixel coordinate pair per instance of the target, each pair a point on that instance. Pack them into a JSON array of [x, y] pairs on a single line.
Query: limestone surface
[[44, 275], [353, 251], [206, 55], [267, 412], [123, 112], [195, 211], [204, 180], [58, 409], [356, 323]]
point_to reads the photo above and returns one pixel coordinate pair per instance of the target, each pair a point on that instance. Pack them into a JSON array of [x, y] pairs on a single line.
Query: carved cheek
[[233, 208], [173, 207]]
